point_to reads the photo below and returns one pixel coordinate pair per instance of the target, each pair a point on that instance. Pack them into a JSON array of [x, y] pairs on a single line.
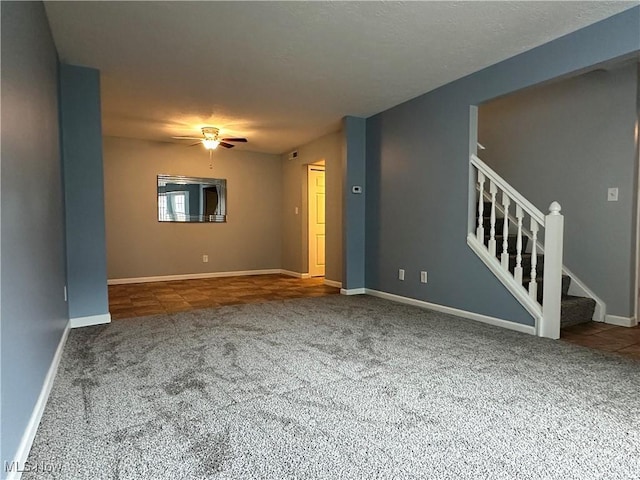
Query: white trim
[[621, 321], [527, 206], [636, 280], [352, 291], [194, 276], [498, 322], [32, 427], [517, 290], [293, 274], [332, 283], [318, 271], [90, 320], [473, 150], [577, 288]]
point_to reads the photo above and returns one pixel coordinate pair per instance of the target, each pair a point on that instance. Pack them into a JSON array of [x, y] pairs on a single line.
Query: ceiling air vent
[[293, 155]]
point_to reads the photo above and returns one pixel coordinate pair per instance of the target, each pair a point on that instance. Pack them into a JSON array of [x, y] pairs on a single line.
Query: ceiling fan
[[210, 139]]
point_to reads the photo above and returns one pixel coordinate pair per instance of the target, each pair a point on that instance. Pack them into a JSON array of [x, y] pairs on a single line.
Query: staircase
[[573, 310], [504, 229]]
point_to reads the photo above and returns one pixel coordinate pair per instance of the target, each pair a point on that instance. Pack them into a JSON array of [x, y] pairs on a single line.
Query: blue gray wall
[[569, 141], [33, 310], [353, 228], [418, 173], [84, 191]]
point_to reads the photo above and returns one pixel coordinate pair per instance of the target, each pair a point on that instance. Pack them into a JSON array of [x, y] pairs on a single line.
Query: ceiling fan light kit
[[210, 139], [210, 144]]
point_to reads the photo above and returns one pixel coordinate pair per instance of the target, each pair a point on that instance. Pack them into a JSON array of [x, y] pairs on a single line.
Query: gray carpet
[[335, 387]]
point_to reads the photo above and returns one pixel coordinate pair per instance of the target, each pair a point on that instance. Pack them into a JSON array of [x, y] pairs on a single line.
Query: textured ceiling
[[284, 73]]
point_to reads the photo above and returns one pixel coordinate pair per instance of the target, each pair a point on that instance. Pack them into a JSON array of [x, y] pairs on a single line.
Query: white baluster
[[480, 230], [517, 273], [493, 190], [533, 284], [504, 258]]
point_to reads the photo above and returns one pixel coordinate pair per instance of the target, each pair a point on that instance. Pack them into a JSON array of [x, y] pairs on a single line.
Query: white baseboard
[[621, 321], [32, 427], [90, 320], [294, 274], [333, 283], [194, 276], [498, 322], [353, 291]]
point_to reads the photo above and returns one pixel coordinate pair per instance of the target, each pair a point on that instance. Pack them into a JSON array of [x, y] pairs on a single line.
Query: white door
[[316, 221]]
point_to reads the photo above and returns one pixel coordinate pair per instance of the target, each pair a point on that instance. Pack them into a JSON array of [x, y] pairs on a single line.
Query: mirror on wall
[[191, 199]]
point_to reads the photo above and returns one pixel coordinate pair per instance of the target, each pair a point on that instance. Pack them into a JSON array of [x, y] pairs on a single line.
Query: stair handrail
[[527, 206], [547, 314]]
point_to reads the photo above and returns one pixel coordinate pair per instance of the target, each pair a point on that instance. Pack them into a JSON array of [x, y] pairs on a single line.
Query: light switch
[[612, 194]]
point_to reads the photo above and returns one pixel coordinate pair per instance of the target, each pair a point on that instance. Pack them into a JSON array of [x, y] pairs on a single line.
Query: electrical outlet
[[205, 258], [423, 277], [401, 274], [612, 194]]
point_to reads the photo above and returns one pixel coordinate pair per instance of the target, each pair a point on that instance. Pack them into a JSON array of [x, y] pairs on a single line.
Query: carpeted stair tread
[[511, 242], [575, 310], [525, 262]]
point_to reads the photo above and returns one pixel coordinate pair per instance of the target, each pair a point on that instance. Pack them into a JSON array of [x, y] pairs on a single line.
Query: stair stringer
[[516, 289], [577, 287]]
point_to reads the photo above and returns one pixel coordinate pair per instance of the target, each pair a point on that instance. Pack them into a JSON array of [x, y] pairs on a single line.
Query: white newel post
[[552, 285]]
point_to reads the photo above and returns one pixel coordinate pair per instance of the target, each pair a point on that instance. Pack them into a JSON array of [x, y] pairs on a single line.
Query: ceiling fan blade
[[226, 145], [194, 144], [235, 139], [187, 138]]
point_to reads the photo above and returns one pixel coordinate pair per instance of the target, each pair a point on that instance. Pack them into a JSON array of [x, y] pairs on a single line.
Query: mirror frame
[[220, 215]]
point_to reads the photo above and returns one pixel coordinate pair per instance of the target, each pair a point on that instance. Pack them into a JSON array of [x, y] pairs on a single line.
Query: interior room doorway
[[316, 216]]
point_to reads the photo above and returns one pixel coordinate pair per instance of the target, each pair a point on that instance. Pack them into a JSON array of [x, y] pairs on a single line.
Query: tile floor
[[601, 336], [140, 299]]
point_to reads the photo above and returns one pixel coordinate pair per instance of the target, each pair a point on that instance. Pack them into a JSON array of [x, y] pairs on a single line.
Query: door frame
[[316, 167]]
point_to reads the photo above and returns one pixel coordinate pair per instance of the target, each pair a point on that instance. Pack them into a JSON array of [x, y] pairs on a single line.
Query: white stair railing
[[490, 187]]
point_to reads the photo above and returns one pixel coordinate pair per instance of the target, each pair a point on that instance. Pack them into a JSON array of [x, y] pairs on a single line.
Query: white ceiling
[[284, 73]]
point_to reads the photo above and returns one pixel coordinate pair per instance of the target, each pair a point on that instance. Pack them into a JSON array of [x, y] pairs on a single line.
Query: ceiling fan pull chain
[[210, 160]]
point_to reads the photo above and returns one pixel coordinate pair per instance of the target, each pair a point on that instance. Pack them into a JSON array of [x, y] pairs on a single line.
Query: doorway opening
[[316, 219]]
